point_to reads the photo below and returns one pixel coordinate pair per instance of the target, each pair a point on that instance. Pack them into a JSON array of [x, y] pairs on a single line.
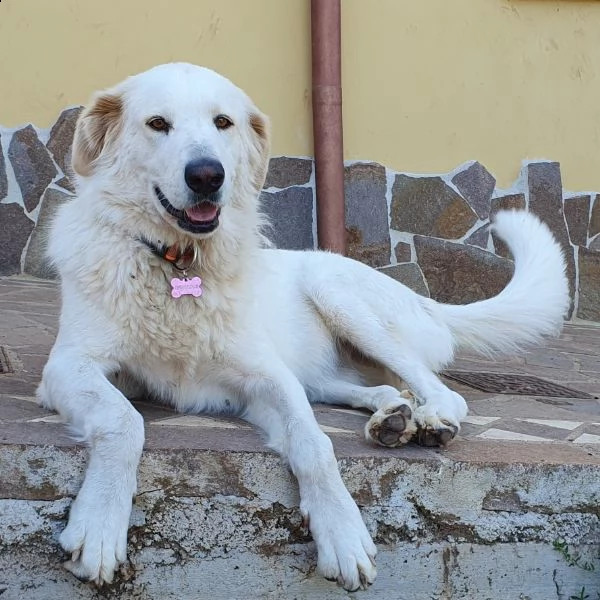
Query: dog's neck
[[181, 258]]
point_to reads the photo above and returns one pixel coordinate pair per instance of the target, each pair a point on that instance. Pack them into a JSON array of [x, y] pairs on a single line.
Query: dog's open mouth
[[200, 218]]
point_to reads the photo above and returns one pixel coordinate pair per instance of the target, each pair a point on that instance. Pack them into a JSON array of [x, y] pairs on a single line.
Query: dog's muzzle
[[202, 217]]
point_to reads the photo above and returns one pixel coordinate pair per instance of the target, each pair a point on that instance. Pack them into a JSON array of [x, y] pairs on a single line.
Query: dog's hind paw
[[440, 434], [393, 425], [434, 422], [438, 424]]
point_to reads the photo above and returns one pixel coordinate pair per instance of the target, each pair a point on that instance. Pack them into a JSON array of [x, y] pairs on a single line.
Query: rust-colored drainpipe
[[327, 123]]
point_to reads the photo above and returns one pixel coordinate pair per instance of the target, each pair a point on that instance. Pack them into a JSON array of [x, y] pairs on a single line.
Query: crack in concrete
[[558, 594]]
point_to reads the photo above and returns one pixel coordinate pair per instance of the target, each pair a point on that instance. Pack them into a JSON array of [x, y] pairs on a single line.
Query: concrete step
[[217, 514]]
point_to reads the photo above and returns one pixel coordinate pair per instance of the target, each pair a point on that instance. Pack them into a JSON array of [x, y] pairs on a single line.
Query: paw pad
[[390, 426], [440, 436]]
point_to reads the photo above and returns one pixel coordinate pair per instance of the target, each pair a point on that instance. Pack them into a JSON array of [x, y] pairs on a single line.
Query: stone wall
[[429, 231]]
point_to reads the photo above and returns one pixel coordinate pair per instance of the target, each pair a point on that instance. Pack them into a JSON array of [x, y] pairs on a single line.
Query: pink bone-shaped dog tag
[[181, 287]]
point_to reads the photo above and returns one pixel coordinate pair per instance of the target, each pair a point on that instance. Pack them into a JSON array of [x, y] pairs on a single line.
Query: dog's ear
[[97, 127], [261, 133]]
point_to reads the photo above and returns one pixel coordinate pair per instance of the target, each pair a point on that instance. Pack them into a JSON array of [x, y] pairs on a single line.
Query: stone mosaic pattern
[[430, 232], [428, 206]]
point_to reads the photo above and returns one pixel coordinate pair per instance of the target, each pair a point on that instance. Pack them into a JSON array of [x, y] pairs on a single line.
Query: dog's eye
[[159, 124], [223, 122]]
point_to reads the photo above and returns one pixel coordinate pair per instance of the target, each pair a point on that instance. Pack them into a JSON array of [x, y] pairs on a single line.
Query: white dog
[[164, 279]]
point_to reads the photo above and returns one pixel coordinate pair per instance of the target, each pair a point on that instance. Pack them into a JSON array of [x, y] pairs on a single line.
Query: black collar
[[180, 259]]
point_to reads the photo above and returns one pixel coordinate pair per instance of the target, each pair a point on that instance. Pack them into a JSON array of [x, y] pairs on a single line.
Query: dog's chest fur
[[157, 331], [125, 292]]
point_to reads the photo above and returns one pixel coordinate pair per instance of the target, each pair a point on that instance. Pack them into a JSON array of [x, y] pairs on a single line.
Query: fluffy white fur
[[272, 331]]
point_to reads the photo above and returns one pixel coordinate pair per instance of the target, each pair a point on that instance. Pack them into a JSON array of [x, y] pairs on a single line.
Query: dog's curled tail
[[532, 305]]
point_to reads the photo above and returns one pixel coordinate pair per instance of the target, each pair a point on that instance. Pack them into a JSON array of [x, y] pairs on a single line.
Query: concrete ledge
[[221, 524]]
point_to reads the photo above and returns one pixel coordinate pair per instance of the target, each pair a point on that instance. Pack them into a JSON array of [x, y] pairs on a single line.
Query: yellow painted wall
[[428, 84], [55, 53]]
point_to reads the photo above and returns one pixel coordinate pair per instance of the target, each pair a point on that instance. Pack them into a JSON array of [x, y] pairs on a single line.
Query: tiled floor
[[500, 427]]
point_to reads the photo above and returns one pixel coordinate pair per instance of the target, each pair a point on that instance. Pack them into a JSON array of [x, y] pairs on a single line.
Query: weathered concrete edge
[[446, 571], [439, 496], [225, 523]]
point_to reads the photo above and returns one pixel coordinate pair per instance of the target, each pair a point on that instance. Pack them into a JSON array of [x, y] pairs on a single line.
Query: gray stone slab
[[595, 218], [366, 213], [66, 183], [476, 185], [60, 141], [507, 202], [589, 285], [403, 252], [32, 164], [460, 274], [15, 228], [3, 178], [410, 275], [479, 237], [287, 171], [36, 262], [290, 212], [545, 200], [227, 525], [407, 570], [577, 214], [427, 206]]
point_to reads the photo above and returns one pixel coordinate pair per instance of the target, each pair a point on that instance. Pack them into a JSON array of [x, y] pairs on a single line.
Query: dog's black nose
[[204, 176]]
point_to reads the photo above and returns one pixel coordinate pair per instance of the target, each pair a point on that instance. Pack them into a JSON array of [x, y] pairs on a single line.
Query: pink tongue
[[202, 213]]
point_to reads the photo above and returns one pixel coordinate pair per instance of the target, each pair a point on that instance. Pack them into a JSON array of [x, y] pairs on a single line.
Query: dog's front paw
[[96, 536], [346, 552]]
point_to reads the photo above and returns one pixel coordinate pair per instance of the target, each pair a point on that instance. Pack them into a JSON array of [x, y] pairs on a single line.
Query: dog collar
[[182, 260]]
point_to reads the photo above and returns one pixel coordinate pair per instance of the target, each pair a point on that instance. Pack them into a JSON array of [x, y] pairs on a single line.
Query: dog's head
[[179, 139]]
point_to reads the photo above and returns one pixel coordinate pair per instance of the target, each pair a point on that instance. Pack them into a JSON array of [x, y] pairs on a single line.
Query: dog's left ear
[[97, 127], [261, 134]]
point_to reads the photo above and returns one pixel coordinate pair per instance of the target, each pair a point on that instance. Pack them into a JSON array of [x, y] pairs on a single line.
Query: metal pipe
[[327, 123]]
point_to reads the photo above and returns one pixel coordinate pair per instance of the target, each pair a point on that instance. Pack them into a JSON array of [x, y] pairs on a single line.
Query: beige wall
[[57, 52], [431, 83], [428, 84]]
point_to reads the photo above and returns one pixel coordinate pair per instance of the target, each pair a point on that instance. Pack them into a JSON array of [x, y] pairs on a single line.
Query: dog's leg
[[391, 423], [278, 405], [439, 410], [96, 534]]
